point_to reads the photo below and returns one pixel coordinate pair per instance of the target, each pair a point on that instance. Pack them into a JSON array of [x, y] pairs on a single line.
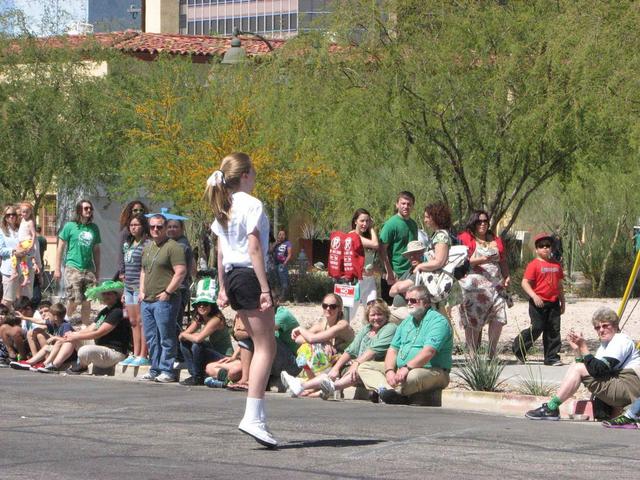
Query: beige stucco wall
[[162, 16]]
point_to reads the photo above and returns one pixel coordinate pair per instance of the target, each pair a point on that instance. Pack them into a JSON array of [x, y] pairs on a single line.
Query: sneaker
[[621, 421], [165, 378], [4, 362], [557, 363], [148, 377], [192, 381], [36, 366], [327, 386], [49, 369], [543, 413], [21, 365], [127, 361], [259, 432], [293, 384], [140, 362], [76, 370], [391, 397], [214, 383]]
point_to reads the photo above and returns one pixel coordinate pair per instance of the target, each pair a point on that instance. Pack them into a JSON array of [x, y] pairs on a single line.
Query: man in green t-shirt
[[163, 269], [79, 242], [394, 237], [419, 357]]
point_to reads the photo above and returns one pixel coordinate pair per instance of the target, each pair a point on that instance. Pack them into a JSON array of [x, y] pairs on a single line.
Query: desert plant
[[481, 373], [535, 385]]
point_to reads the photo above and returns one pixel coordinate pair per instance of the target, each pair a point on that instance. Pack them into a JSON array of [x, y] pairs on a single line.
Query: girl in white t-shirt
[[23, 263], [242, 229]]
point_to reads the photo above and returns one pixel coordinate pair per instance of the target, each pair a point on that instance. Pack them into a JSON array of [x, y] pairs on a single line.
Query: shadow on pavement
[[337, 442]]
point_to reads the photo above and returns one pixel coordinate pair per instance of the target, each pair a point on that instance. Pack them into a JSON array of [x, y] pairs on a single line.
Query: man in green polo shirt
[[79, 241], [419, 357], [395, 235]]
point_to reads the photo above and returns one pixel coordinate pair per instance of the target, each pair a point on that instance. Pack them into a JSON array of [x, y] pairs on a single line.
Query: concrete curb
[[511, 404]]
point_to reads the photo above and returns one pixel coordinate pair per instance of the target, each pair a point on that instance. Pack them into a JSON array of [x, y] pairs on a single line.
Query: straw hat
[[414, 247]]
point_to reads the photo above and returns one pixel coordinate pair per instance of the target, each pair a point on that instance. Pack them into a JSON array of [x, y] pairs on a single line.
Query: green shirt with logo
[[433, 331], [80, 239]]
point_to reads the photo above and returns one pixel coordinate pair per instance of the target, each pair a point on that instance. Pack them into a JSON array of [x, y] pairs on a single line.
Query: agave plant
[[481, 373]]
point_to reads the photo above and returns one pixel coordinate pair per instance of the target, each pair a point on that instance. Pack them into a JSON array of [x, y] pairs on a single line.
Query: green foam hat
[[206, 291], [107, 286]]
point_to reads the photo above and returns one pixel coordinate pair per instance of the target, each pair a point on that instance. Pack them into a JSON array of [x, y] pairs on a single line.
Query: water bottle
[[214, 383]]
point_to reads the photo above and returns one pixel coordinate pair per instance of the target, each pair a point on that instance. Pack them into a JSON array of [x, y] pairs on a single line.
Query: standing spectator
[[42, 243], [419, 357], [79, 242], [131, 209], [175, 230], [283, 253], [130, 269], [243, 242], [542, 281], [484, 287], [362, 224], [8, 247], [163, 269], [395, 235]]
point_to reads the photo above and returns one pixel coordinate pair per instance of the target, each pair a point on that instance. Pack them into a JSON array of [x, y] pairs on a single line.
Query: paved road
[[60, 427]]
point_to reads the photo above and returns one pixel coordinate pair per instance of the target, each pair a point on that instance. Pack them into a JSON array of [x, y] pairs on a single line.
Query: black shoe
[[76, 370], [543, 413], [374, 397], [390, 396], [192, 381]]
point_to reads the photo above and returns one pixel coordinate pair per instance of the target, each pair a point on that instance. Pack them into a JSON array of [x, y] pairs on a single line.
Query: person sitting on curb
[[629, 419], [43, 360], [230, 369], [612, 374], [419, 357], [205, 340], [110, 332], [371, 344], [33, 324]]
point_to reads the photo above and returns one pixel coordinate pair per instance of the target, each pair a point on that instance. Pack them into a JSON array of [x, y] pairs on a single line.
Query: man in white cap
[[414, 254]]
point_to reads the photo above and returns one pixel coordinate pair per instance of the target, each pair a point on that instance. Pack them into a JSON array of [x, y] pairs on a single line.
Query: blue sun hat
[[206, 291]]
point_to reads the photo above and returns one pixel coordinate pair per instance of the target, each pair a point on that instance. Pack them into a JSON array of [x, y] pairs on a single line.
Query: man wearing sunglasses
[[163, 269], [542, 281], [419, 357], [79, 245]]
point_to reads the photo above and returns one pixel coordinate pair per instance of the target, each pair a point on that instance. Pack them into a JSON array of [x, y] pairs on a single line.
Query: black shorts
[[243, 288]]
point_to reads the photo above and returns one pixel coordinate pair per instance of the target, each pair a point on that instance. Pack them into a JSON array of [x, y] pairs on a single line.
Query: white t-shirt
[[27, 325], [247, 215], [622, 348]]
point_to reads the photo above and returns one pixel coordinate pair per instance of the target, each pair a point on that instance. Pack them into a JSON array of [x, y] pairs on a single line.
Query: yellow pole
[[630, 284]]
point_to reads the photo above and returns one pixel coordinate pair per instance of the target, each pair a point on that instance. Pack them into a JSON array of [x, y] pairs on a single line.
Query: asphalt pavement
[[63, 427]]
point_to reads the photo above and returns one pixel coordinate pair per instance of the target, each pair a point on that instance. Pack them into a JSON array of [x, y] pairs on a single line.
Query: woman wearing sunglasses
[[8, 245], [484, 287], [130, 210]]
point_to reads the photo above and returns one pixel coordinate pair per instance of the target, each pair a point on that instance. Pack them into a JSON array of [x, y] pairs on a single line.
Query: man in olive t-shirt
[[163, 269], [394, 237]]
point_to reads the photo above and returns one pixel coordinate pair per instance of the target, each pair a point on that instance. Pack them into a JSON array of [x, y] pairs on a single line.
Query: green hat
[[206, 291], [108, 286]]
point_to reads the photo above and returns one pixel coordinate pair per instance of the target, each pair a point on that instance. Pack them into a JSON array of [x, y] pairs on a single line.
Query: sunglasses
[[480, 222], [87, 208], [602, 326], [137, 210], [135, 224], [10, 214], [412, 301], [330, 306], [544, 245], [156, 227]]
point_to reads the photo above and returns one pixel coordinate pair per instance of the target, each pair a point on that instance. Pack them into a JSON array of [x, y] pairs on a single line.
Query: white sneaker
[[327, 386], [260, 433], [165, 378], [293, 384], [147, 377]]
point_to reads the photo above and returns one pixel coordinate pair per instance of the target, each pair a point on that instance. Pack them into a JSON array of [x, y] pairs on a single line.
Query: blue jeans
[[197, 355], [634, 408], [283, 278], [159, 323]]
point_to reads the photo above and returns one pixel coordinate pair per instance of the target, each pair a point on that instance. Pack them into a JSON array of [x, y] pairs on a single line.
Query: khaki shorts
[[618, 390], [76, 283]]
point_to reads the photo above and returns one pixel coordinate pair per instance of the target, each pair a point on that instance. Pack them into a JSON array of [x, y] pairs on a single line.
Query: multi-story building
[[272, 18], [115, 15]]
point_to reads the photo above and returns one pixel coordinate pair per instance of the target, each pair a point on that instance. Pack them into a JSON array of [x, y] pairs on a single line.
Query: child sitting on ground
[[34, 324], [27, 241], [542, 281]]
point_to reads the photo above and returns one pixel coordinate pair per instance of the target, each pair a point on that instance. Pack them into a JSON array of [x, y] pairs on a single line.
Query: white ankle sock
[[253, 409]]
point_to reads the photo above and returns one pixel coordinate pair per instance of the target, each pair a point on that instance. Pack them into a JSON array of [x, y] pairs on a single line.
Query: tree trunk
[[607, 257]]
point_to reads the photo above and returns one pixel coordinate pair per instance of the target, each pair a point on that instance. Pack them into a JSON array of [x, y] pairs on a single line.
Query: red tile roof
[[134, 42]]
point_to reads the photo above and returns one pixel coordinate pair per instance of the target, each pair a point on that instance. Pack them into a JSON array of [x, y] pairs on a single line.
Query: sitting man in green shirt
[[419, 357]]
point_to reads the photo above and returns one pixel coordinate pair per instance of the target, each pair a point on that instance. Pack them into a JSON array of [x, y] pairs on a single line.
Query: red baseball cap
[[542, 236]]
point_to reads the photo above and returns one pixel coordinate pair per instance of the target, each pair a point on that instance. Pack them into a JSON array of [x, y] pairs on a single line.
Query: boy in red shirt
[[542, 281]]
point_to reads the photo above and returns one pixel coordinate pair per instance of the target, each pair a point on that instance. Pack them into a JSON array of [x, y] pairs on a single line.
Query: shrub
[[309, 287], [481, 373], [535, 385]]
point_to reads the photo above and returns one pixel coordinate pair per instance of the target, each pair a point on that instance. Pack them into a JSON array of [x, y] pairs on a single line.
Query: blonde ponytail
[[224, 182]]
